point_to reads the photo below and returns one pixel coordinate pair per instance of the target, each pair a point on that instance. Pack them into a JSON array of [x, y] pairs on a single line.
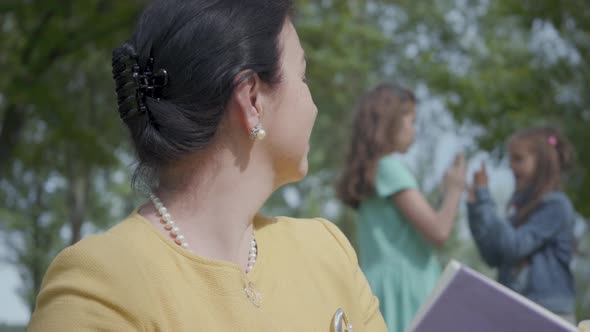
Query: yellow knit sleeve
[[373, 320], [86, 289]]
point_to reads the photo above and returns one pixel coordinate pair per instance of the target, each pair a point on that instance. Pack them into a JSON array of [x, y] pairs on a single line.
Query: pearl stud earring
[[257, 133]]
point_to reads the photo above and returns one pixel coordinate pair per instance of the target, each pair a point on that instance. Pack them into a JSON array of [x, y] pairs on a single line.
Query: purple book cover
[[467, 301]]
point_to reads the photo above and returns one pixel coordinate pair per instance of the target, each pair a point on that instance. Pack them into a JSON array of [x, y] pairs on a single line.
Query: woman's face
[[291, 114]]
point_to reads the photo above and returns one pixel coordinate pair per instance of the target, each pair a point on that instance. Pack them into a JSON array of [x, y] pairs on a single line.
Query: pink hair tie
[[552, 140]]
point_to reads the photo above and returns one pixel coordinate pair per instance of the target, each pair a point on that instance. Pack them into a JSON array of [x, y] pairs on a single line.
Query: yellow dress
[[132, 278]]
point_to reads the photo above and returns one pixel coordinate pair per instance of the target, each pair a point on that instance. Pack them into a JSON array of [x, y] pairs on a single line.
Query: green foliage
[[340, 45], [505, 65], [59, 134]]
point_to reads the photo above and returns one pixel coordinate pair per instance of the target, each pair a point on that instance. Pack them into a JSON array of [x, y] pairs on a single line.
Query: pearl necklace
[[180, 240]]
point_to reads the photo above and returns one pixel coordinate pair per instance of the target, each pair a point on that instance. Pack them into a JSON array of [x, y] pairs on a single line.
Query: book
[[467, 301]]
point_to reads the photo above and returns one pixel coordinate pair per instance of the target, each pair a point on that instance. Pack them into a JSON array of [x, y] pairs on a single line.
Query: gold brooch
[[340, 322]]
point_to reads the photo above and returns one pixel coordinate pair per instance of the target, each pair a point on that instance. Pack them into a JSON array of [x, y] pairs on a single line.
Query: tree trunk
[[40, 247], [11, 125], [78, 201]]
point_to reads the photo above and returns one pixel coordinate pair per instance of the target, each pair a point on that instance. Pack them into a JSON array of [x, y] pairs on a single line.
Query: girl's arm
[[434, 225], [481, 212], [500, 241]]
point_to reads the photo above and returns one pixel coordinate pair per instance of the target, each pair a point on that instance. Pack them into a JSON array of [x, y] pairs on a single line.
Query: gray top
[[532, 259]]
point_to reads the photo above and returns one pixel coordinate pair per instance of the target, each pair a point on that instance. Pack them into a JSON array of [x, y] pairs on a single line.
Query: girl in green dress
[[398, 230]]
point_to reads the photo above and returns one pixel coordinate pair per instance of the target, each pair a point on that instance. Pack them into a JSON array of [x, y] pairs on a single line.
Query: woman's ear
[[247, 99]]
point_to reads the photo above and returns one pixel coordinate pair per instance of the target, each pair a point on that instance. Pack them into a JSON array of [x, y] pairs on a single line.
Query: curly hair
[[376, 120]]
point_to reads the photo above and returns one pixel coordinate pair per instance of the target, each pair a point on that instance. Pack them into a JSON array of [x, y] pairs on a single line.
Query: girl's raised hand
[[455, 178], [480, 180]]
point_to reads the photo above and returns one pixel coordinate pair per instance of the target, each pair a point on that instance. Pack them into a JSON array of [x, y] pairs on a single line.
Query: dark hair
[[554, 156], [377, 117], [202, 45]]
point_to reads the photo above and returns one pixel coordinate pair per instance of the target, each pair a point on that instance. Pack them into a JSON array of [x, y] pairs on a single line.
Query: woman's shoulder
[[296, 227], [308, 234], [111, 251], [124, 233], [109, 258], [102, 267]]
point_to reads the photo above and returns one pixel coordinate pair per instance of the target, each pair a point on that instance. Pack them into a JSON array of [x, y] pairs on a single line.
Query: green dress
[[399, 263]]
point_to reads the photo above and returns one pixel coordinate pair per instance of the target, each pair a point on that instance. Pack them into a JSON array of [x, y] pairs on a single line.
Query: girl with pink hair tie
[[534, 247]]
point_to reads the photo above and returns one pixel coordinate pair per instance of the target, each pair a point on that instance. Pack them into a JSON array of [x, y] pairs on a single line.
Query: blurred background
[[480, 69]]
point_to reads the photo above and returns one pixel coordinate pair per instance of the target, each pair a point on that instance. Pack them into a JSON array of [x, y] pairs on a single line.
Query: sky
[[12, 309]]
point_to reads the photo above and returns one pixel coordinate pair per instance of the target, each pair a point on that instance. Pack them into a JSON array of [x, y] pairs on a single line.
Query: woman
[[214, 96]]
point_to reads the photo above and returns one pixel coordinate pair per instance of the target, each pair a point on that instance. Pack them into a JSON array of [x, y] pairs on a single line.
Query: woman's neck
[[215, 205]]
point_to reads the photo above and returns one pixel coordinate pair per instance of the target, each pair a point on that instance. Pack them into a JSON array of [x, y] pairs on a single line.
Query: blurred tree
[[343, 52], [63, 173], [31, 225], [502, 65], [60, 139], [35, 37]]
